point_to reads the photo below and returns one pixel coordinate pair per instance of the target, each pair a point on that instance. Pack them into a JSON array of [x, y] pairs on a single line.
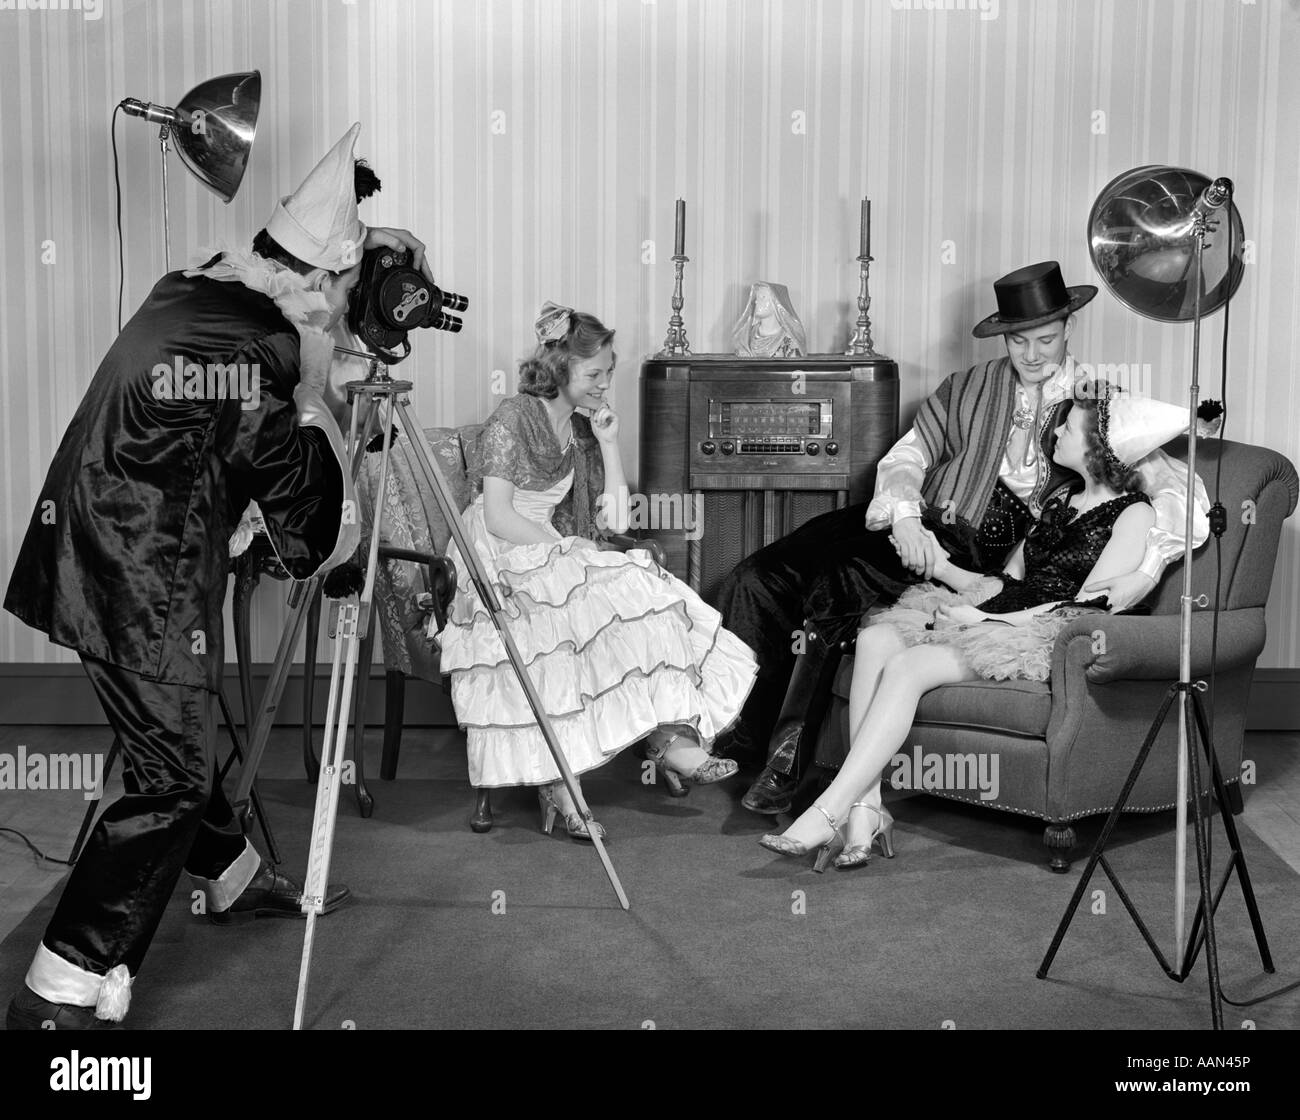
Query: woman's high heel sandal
[[825, 852], [711, 770], [859, 855], [573, 822]]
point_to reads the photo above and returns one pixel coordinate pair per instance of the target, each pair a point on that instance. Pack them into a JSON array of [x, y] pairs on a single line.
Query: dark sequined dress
[[1060, 550]]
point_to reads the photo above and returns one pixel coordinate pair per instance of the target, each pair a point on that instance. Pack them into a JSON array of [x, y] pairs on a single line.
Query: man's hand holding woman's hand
[[918, 548]]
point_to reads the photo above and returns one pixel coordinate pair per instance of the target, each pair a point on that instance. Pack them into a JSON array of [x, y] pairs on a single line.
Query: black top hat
[[1031, 296]]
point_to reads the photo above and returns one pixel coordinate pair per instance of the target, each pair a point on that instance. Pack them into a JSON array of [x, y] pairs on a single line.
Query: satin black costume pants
[[823, 575], [172, 816]]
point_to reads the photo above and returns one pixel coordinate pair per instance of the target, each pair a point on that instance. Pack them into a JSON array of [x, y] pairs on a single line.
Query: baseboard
[[61, 694], [1274, 701]]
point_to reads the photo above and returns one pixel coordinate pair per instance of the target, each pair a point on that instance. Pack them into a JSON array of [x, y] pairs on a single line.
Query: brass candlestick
[[860, 343], [675, 343]]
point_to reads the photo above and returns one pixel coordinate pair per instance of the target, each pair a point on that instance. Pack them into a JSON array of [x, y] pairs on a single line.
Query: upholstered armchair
[[1065, 746]]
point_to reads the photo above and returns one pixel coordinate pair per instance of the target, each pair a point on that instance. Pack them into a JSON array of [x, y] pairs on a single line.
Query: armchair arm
[[1146, 647], [622, 542], [441, 574]]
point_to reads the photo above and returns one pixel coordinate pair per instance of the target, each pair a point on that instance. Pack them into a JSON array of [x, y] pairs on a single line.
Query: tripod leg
[[92, 808], [327, 794], [1111, 821], [353, 621], [309, 761], [300, 599], [1201, 829], [473, 566], [272, 849], [1234, 838]]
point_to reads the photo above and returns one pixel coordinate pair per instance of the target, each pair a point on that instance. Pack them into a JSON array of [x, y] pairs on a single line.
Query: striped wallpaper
[[537, 147]]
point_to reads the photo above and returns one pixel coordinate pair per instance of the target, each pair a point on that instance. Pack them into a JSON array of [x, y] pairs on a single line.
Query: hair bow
[[553, 322]]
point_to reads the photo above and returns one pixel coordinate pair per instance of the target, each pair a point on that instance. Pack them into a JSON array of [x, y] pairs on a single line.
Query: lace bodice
[[1060, 550]]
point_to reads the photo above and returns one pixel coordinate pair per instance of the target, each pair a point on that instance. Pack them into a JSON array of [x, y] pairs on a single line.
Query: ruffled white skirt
[[614, 645]]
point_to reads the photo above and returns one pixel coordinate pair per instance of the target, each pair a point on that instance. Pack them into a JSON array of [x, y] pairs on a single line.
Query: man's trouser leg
[[120, 887], [763, 602], [833, 606]]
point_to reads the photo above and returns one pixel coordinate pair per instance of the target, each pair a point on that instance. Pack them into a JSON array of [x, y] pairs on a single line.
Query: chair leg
[[246, 577], [394, 703], [309, 760], [1060, 840], [1235, 804], [365, 802], [481, 821]]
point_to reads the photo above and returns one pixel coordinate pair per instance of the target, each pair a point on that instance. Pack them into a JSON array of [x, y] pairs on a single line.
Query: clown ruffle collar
[[287, 289]]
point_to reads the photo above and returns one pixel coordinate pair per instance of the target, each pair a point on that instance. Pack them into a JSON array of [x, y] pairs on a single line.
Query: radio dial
[[728, 447], [708, 447], [813, 449], [832, 448]]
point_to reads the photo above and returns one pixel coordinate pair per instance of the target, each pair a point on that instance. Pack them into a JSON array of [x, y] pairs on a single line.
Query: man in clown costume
[[125, 561]]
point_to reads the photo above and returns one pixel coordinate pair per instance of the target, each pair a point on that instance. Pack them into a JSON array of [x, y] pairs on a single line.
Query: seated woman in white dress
[[1089, 531], [618, 649]]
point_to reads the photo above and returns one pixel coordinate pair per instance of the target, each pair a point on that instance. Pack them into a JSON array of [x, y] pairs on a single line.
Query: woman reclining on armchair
[[988, 627]]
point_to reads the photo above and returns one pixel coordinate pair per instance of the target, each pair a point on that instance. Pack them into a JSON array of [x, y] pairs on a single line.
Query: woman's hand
[[915, 546], [604, 423], [959, 614], [942, 557]]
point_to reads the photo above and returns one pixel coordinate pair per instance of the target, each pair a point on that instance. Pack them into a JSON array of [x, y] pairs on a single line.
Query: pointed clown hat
[[1132, 427], [318, 223]]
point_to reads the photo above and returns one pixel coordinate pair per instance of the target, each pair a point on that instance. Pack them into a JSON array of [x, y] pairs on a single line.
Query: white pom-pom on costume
[[249, 526], [115, 995]]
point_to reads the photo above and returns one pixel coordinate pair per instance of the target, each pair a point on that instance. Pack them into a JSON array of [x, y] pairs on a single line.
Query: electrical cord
[[121, 247], [40, 854]]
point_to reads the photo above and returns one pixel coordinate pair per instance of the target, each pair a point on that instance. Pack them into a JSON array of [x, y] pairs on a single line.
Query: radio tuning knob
[[728, 447], [708, 447], [832, 448], [813, 449]]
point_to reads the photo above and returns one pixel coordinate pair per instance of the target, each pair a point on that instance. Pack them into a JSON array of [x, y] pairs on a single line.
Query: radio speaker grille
[[734, 523]]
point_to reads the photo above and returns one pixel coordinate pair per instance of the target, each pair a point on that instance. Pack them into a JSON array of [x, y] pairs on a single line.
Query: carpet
[[516, 929]]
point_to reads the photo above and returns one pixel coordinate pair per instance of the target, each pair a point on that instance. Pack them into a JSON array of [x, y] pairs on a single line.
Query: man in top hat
[[967, 478], [125, 561]]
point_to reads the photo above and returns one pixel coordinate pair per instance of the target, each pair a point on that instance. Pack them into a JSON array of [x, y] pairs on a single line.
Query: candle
[[865, 246], [679, 242]]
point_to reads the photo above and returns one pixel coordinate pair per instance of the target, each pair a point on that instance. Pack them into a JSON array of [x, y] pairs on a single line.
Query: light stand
[[1141, 229]]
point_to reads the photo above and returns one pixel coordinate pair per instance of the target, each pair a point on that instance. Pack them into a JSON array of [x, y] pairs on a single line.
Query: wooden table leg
[[394, 704]]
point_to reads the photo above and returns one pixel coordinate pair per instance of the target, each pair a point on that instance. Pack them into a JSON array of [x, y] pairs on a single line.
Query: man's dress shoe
[[272, 894], [772, 793], [29, 1012]]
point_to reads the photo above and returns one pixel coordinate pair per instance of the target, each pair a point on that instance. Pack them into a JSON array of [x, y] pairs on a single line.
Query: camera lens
[[451, 301], [442, 322]]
